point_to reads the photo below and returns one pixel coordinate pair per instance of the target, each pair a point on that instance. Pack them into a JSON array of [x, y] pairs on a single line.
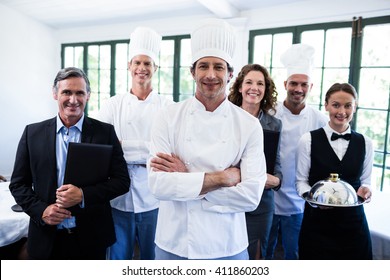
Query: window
[[353, 52], [105, 63]]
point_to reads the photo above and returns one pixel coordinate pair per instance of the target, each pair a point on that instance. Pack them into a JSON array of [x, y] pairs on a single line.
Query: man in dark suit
[[67, 221]]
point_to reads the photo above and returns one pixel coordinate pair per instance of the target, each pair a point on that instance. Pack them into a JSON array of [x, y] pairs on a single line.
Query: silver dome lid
[[333, 192]]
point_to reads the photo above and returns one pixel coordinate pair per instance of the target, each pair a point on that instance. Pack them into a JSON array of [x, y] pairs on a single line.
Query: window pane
[[314, 97], [378, 158], [79, 57], [185, 55], [73, 57], [120, 81], [331, 76], [69, 57], [186, 82], [386, 179], [281, 43], [93, 57], [376, 45], [105, 57], [167, 53], [374, 88], [93, 76], [388, 136], [121, 59], [279, 76], [104, 82], [315, 38], [166, 80], [373, 129], [338, 47], [263, 50], [376, 175], [93, 104]]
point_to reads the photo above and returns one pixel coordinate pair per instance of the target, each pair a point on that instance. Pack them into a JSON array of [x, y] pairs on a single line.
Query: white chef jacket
[[211, 225], [340, 147], [132, 119], [287, 200]]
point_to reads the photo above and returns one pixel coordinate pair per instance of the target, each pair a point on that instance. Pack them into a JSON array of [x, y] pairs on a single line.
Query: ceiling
[[77, 13]]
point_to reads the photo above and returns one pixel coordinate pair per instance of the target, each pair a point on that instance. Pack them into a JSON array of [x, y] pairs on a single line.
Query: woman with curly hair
[[255, 92]]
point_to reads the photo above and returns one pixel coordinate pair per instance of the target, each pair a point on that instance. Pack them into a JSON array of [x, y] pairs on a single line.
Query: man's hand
[[167, 163], [229, 177], [54, 215], [68, 196], [232, 176]]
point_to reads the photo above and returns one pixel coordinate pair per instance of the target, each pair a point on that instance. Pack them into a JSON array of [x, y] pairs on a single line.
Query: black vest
[[325, 161]]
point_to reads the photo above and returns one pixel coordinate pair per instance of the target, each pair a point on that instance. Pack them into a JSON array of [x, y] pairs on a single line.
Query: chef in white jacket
[[297, 118], [132, 114], [207, 165]]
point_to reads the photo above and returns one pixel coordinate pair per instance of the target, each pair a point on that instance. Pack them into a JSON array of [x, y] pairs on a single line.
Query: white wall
[[29, 60]]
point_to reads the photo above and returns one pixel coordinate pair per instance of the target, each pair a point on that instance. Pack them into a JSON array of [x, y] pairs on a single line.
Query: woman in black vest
[[335, 232]]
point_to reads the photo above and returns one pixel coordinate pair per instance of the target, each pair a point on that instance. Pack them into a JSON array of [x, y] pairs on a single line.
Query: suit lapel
[[87, 134], [265, 121], [50, 138], [50, 141]]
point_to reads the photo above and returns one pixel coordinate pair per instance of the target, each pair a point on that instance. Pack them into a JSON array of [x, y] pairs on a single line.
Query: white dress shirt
[[132, 119], [287, 201], [340, 147], [211, 225]]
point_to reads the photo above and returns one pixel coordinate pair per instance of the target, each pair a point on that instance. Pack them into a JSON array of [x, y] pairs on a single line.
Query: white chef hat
[[214, 37], [145, 41], [298, 59]]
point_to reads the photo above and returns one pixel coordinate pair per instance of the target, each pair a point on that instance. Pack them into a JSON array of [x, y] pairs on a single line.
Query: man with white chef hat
[[207, 166], [132, 114], [297, 118]]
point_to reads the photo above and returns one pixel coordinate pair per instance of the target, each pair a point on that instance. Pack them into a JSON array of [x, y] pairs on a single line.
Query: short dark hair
[[71, 72]]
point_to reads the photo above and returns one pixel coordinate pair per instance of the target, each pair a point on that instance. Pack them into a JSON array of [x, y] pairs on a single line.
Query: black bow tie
[[336, 136]]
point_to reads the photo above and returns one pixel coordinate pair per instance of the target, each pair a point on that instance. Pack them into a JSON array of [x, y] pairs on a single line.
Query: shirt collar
[[221, 109], [150, 98], [287, 111], [260, 116], [79, 124], [329, 130]]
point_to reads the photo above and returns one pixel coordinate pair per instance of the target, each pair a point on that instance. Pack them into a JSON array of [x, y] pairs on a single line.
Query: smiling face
[[297, 86], [211, 76], [142, 69], [341, 106], [72, 97], [252, 88]]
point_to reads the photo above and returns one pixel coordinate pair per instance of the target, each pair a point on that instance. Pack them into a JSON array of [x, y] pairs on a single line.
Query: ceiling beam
[[221, 8]]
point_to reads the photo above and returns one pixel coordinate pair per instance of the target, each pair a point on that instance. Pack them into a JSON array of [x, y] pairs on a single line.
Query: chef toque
[[298, 59], [145, 41], [214, 37]]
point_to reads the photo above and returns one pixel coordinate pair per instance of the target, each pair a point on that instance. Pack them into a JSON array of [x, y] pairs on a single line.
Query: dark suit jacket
[[34, 184]]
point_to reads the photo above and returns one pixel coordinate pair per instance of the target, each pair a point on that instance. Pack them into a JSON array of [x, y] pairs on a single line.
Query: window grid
[[352, 73]]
